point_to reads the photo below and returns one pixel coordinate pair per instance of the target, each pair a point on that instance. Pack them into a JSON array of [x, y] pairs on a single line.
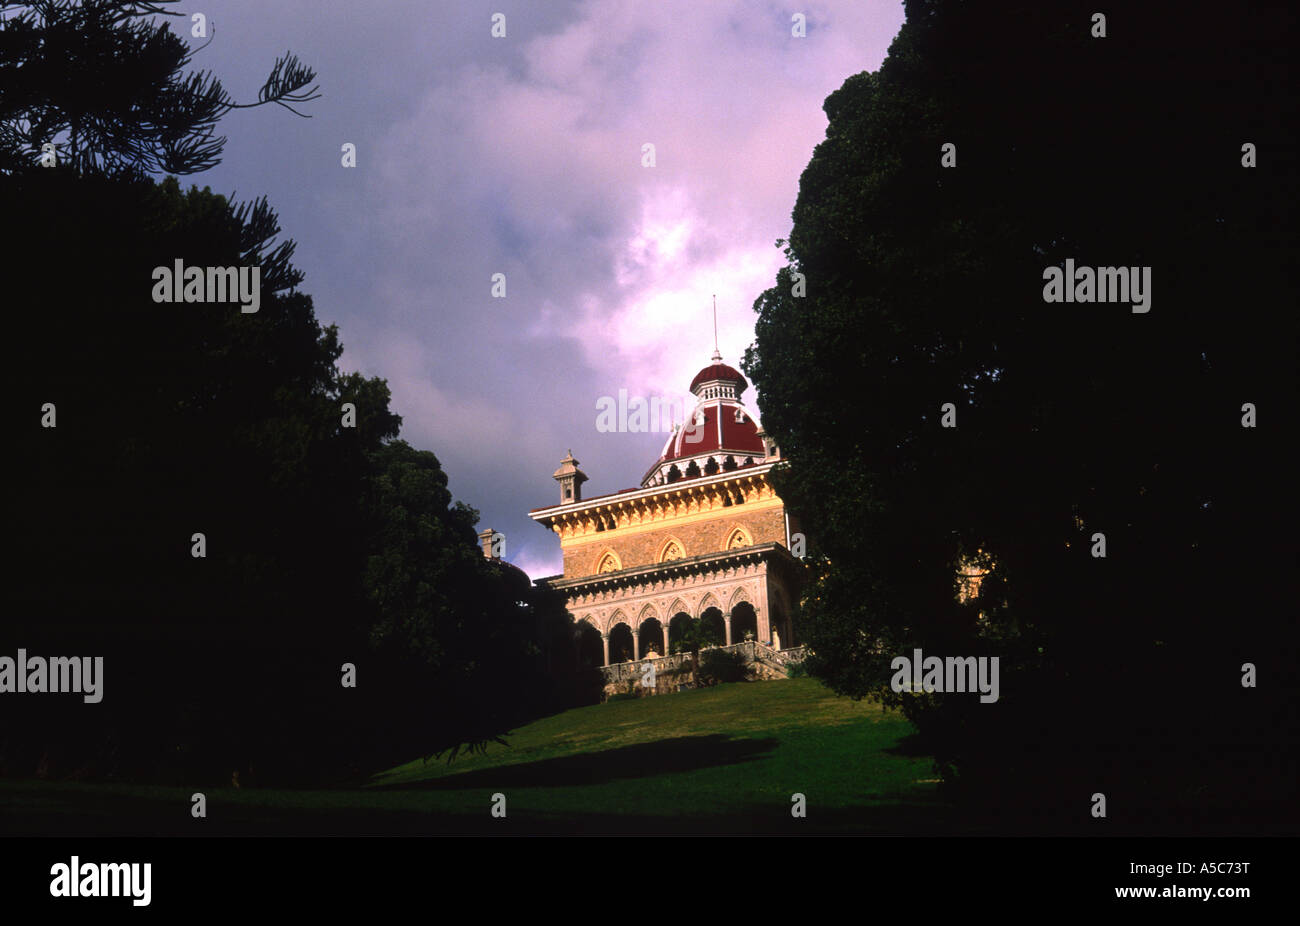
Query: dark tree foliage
[[720, 666], [474, 633], [924, 286], [694, 635], [102, 81], [174, 419], [326, 544]]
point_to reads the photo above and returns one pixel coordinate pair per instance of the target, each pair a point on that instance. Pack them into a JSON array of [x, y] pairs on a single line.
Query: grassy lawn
[[718, 760]]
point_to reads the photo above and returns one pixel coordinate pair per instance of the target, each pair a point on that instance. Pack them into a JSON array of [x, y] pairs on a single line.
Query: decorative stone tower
[[770, 450], [492, 543], [570, 479]]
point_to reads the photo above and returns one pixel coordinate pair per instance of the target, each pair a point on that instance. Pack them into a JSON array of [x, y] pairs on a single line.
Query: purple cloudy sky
[[522, 155]]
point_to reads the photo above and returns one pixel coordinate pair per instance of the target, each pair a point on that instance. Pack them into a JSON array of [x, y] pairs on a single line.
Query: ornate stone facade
[[641, 565]]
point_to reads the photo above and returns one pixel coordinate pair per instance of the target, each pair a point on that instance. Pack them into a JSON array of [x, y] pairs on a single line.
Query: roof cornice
[[702, 562], [600, 501]]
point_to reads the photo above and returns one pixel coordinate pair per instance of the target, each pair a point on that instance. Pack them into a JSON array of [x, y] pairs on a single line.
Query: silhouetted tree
[[924, 286], [327, 542], [102, 81]]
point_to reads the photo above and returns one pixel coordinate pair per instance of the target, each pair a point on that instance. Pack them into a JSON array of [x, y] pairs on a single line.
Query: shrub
[[718, 666]]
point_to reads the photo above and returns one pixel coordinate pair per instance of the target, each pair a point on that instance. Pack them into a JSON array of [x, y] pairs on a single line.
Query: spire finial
[[717, 357]]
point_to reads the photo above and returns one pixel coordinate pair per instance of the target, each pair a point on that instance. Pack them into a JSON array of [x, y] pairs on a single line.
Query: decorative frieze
[[653, 507]]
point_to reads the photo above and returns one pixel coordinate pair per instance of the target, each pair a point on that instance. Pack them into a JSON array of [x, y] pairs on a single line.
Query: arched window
[[609, 563]]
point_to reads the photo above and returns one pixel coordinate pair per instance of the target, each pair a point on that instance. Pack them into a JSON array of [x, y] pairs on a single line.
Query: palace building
[[704, 538]]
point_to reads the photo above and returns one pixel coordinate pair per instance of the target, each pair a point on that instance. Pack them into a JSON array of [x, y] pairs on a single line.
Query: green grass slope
[[711, 761]]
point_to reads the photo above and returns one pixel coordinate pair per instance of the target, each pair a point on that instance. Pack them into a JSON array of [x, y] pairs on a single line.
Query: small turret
[[491, 542], [570, 479], [770, 450]]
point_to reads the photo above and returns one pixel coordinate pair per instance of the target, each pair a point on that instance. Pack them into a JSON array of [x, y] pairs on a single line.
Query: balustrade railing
[[751, 650]]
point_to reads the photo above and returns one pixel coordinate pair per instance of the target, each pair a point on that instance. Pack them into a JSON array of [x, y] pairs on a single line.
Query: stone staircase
[[673, 672]]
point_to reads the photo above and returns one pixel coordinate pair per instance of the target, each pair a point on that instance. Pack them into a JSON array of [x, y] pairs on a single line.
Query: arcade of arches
[[620, 642]]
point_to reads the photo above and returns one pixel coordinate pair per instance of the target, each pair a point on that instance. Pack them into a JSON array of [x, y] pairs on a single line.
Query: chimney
[[570, 479], [486, 540]]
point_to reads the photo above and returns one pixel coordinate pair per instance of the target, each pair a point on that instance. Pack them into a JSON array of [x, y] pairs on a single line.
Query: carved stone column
[[604, 638], [726, 619]]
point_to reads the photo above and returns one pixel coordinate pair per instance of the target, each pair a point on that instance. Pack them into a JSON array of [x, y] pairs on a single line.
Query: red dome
[[720, 371], [725, 429], [720, 432]]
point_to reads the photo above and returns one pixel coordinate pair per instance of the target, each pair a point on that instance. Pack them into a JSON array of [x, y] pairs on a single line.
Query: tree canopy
[[924, 286], [325, 540], [102, 81]]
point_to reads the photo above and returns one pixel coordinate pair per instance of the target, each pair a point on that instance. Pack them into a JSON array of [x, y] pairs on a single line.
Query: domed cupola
[[718, 436], [718, 381]]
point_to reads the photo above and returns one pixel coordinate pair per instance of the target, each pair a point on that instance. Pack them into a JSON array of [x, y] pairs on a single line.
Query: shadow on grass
[[32, 809], [909, 746], [53, 811], [642, 760]]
